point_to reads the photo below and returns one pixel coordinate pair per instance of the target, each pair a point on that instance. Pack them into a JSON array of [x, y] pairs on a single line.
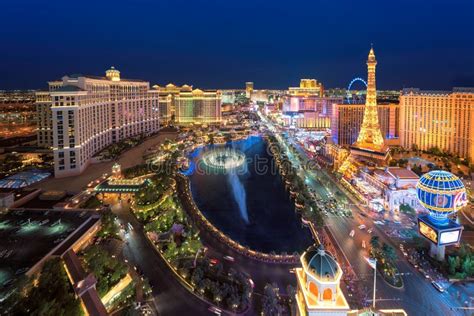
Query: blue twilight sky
[[223, 43]]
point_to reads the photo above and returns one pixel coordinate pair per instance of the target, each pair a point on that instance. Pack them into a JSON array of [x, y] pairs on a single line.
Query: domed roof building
[[321, 264], [318, 284]]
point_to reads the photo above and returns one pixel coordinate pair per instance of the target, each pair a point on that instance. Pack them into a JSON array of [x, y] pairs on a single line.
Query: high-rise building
[[312, 111], [248, 89], [346, 122], [167, 100], [307, 107], [307, 87], [443, 119], [88, 113], [370, 142], [44, 115], [198, 106]]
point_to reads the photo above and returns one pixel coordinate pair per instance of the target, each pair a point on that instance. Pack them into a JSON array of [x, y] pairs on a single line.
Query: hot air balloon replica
[[442, 194]]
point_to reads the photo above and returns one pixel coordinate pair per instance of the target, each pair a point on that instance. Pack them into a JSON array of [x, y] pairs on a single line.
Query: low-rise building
[[400, 187]]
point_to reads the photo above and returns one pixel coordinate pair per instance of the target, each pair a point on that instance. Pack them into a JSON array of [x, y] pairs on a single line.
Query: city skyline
[[222, 45], [303, 158]]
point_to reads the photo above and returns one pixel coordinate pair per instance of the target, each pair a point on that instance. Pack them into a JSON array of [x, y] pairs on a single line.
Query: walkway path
[[128, 159]]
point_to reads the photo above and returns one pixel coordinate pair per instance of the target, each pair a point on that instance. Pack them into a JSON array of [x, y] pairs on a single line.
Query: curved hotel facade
[[88, 113]]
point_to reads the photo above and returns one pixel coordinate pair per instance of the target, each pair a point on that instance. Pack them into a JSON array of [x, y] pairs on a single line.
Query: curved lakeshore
[[251, 206]]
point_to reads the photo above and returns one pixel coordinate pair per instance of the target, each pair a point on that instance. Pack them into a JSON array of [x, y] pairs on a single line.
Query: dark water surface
[[272, 223]]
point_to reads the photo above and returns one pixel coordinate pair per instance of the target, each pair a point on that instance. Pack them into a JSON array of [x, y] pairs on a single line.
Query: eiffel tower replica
[[369, 147]]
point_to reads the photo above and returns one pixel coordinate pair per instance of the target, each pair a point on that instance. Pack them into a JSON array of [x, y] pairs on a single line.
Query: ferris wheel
[[349, 97]]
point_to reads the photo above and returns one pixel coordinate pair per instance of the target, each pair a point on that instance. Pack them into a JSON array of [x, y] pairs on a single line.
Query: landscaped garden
[[385, 256], [116, 149], [177, 240], [50, 294], [107, 269]]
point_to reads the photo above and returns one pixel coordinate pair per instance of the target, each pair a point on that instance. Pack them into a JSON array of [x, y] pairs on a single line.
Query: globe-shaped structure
[[441, 193]]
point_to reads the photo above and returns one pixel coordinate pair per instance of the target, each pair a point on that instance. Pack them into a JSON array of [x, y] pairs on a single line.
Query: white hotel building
[[89, 113]]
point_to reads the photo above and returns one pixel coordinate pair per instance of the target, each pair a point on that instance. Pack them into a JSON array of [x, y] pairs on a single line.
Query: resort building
[[307, 87], [89, 113], [347, 119], [443, 119], [309, 111], [248, 89], [167, 101], [44, 115], [306, 107], [198, 107], [400, 187]]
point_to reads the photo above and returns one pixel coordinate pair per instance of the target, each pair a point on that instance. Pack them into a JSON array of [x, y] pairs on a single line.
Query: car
[[215, 310], [214, 261], [405, 253], [363, 244], [437, 286], [362, 227], [352, 233], [229, 258], [370, 230]]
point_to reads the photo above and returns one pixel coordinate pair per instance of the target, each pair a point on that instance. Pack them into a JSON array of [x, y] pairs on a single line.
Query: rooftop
[[407, 91], [27, 236], [402, 173], [23, 179]]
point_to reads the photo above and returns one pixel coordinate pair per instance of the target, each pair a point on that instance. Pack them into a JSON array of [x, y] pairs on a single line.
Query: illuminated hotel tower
[[370, 142]]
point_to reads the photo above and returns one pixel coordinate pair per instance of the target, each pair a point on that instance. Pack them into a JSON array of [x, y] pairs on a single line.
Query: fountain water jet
[[238, 191]]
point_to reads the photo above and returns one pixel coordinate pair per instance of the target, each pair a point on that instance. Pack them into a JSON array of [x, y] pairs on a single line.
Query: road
[[170, 297], [418, 296]]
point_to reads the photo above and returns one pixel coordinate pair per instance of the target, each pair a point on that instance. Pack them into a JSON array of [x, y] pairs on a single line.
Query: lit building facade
[[44, 115], [306, 107], [399, 187], [307, 87], [346, 122], [318, 290], [312, 112], [89, 113], [248, 89], [167, 101], [443, 119], [198, 106]]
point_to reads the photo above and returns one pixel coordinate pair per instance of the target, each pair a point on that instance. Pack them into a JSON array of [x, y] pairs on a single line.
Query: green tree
[[271, 300], [53, 294], [389, 252], [453, 264]]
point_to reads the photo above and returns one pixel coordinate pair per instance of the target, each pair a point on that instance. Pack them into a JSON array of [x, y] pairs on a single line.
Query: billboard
[[439, 235], [449, 237], [428, 232]]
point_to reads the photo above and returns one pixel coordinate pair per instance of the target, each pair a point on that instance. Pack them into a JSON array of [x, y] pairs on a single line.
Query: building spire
[[370, 136]]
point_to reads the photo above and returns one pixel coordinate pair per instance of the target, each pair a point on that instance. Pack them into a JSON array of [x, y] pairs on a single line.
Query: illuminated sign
[[428, 232], [449, 237]]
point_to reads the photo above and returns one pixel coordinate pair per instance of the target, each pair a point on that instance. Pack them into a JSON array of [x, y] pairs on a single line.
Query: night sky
[[223, 43]]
